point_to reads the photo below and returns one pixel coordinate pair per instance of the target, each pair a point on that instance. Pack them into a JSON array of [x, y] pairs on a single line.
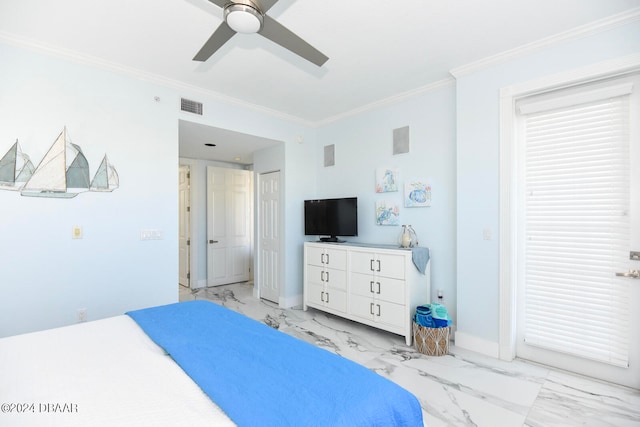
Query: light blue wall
[[45, 276], [478, 138], [299, 182], [365, 142]]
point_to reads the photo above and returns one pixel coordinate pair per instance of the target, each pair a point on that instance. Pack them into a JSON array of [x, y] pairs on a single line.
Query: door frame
[[188, 220], [194, 228], [508, 270]]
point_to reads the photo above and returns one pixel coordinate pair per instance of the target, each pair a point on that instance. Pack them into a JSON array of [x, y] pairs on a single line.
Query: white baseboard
[[199, 284], [294, 301], [479, 345]]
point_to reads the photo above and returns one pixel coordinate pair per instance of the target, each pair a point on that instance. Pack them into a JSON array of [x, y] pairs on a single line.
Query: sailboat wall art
[[63, 172], [15, 168]]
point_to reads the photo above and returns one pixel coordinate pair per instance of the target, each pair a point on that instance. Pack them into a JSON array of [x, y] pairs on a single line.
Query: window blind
[[576, 228]]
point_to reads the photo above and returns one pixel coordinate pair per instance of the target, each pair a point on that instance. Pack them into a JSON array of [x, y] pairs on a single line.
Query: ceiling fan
[[249, 16]]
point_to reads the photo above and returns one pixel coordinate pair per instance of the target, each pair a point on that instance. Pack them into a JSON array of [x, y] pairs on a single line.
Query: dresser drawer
[[330, 277], [379, 264], [378, 311], [327, 257], [322, 296], [382, 288]]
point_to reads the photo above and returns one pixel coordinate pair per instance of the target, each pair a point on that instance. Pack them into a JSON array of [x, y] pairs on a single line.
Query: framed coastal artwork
[[386, 180], [387, 213], [417, 194]]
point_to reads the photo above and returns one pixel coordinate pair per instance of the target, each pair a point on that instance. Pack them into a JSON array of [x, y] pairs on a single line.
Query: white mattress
[[108, 372]]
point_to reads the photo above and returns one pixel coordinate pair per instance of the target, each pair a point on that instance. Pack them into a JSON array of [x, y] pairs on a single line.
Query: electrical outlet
[[82, 315]]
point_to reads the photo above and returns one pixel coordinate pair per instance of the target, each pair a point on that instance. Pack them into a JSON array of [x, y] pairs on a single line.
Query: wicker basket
[[431, 341]]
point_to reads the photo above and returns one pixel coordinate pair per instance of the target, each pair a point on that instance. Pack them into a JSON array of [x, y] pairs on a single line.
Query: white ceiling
[[376, 49]]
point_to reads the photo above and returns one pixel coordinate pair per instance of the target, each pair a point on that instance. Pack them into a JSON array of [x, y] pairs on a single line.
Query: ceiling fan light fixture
[[243, 18]]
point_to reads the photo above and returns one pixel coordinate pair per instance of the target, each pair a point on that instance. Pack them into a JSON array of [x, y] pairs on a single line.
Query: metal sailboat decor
[[15, 169], [62, 173]]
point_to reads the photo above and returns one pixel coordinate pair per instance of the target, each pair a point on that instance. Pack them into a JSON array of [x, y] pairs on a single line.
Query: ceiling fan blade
[[279, 34], [265, 5], [222, 34], [219, 3]]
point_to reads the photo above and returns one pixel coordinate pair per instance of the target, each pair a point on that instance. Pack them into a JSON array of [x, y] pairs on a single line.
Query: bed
[[160, 366]]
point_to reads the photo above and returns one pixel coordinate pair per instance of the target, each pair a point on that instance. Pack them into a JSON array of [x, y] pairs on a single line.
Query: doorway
[[184, 226], [570, 223]]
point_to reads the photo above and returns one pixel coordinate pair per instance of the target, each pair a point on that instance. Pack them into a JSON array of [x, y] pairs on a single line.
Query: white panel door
[[626, 375], [229, 215], [184, 239], [269, 263]]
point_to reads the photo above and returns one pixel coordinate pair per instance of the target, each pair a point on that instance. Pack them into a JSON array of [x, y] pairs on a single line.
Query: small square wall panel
[[401, 140]]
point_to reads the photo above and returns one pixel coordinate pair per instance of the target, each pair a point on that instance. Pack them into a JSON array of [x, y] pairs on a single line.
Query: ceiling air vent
[[190, 106]]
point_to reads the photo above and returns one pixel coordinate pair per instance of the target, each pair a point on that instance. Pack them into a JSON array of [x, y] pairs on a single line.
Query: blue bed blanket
[[262, 377]]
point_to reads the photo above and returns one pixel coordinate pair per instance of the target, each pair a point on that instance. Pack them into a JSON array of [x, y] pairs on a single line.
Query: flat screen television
[[331, 218]]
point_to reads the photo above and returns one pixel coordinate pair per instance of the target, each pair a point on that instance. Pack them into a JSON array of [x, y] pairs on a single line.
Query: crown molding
[[448, 81], [595, 27], [79, 58]]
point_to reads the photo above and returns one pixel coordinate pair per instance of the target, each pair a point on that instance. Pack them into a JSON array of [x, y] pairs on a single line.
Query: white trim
[[292, 301], [507, 299], [605, 24], [84, 59], [508, 201], [194, 228], [93, 61], [614, 21], [610, 68], [479, 345], [578, 98], [257, 278], [390, 100]]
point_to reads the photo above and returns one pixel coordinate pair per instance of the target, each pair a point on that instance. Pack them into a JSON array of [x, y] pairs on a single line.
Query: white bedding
[[107, 372]]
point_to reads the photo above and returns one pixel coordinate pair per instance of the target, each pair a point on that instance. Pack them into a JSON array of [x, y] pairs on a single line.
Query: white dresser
[[375, 285]]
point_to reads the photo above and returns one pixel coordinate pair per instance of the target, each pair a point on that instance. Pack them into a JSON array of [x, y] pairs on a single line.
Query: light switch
[[76, 232], [486, 233], [150, 234]]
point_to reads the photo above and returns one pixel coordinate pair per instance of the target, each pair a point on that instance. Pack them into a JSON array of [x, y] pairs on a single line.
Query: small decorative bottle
[[405, 237], [414, 236]]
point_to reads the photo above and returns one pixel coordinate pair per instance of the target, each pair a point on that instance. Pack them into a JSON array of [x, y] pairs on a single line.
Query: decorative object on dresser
[[377, 285]]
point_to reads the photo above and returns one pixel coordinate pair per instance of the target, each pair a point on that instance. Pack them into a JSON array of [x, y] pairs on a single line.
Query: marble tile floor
[[460, 389]]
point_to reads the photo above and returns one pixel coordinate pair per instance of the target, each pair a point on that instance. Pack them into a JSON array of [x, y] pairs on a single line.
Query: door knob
[[631, 273], [213, 241]]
